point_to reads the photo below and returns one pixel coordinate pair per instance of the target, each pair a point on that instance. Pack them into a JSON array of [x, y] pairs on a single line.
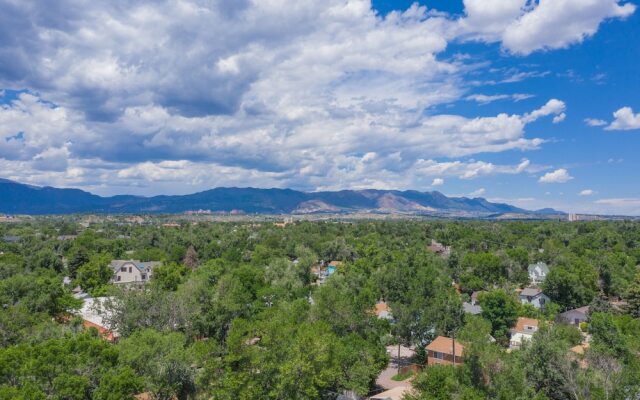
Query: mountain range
[[18, 198]]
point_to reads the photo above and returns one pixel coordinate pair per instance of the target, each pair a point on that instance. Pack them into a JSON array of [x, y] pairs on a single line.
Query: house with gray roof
[[575, 317], [538, 273], [535, 297], [11, 239], [471, 308], [132, 271]]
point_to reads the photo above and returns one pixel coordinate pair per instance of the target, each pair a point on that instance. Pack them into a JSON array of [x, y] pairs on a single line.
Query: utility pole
[[453, 338], [398, 355]]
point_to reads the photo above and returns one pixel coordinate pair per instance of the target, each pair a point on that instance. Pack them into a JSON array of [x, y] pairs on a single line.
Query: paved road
[[384, 379]]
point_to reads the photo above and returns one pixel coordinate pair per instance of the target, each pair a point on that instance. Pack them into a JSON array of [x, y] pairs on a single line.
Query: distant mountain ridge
[[17, 198]]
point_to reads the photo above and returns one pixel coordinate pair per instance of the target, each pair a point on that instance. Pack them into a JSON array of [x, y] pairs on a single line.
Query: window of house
[[118, 278], [144, 276], [123, 269], [438, 355], [129, 269]]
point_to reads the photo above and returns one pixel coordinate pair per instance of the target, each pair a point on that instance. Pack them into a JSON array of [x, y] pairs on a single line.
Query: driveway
[[384, 379]]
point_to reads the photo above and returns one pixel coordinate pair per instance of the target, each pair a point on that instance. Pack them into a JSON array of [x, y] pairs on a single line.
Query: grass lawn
[[402, 377]]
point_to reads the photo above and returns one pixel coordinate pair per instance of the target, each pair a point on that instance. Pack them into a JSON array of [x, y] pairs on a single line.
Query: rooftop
[[530, 292], [522, 323], [471, 308], [443, 344]]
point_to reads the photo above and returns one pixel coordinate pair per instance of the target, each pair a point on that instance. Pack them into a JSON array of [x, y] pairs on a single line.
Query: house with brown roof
[[382, 310], [444, 350], [95, 315], [523, 331]]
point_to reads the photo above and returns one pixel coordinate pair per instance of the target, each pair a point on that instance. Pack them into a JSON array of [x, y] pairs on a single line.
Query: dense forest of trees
[[234, 311]]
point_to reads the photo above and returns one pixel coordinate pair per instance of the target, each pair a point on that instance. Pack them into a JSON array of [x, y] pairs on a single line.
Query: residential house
[[439, 248], [575, 317], [94, 315], [534, 296], [382, 310], [471, 308], [444, 350], [538, 273], [475, 295], [523, 331], [11, 239], [132, 271], [333, 266], [67, 237]]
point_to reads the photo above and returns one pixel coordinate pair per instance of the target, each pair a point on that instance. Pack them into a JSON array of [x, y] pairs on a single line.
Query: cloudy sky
[[534, 103]]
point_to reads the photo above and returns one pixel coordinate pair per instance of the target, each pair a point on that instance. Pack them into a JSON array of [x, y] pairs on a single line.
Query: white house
[[523, 331], [535, 297], [538, 273], [95, 315], [132, 271]]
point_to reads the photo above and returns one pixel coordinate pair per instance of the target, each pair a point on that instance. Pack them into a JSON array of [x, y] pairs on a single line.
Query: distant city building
[[287, 221], [132, 271], [199, 212]]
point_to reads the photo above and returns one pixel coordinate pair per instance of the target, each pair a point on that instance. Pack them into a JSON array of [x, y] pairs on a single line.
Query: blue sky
[[510, 100]]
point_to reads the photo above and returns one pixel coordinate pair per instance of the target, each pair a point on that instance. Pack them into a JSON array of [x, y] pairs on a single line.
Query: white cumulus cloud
[[595, 122], [587, 192], [307, 94], [525, 26], [558, 176], [624, 119]]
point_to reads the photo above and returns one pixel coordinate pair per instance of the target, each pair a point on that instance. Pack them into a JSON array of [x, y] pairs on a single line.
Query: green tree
[[168, 276], [119, 384], [162, 360], [501, 309], [78, 256], [95, 274], [46, 259], [633, 298]]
